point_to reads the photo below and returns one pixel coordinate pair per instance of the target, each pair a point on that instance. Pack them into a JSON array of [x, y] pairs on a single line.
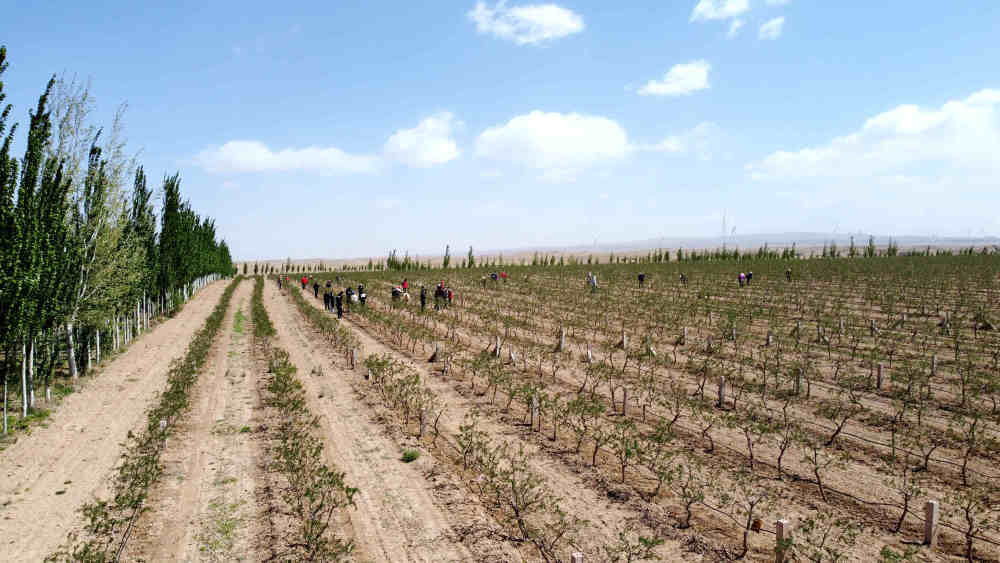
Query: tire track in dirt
[[396, 518], [605, 517], [50, 473], [203, 508]]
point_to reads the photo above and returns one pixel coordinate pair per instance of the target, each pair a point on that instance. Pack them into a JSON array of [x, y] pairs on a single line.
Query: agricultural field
[[689, 418], [823, 412]]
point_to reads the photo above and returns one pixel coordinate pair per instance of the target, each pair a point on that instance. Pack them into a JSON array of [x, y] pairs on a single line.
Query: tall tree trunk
[[98, 346], [71, 352], [31, 375], [24, 380]]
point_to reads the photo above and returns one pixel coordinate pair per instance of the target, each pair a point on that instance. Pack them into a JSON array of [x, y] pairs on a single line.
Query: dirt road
[[203, 508], [49, 474]]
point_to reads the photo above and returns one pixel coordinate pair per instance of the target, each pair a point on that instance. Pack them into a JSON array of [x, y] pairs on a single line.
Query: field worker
[[593, 283], [362, 296], [305, 282], [788, 274], [742, 278], [684, 279], [423, 298], [642, 278], [279, 282], [451, 296], [438, 297], [316, 289], [340, 305], [749, 277], [406, 286], [495, 277], [326, 300], [396, 292], [503, 276]]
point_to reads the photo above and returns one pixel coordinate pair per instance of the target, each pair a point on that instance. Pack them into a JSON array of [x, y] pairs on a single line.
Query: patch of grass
[[219, 534], [410, 455], [238, 320], [244, 430]]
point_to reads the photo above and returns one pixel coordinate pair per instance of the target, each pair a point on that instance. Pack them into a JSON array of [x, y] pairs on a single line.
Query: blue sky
[[340, 129]]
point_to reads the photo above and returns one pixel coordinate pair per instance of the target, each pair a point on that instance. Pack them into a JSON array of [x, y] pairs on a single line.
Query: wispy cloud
[[734, 28], [771, 29], [719, 9], [254, 156], [681, 80], [526, 24]]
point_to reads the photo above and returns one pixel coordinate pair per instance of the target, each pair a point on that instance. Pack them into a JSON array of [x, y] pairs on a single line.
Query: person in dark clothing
[[316, 290], [684, 279], [788, 274], [279, 282], [423, 297], [438, 297], [340, 305], [350, 297], [362, 296], [642, 278], [749, 277]]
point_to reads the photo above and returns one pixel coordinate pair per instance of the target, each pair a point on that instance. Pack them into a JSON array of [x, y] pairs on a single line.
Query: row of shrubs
[[109, 522], [315, 492]]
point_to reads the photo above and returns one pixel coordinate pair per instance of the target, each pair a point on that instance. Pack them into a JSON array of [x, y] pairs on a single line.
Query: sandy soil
[[203, 508], [397, 516], [50, 473]]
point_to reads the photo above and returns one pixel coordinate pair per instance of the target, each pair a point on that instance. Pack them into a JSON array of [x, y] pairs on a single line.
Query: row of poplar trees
[[80, 253]]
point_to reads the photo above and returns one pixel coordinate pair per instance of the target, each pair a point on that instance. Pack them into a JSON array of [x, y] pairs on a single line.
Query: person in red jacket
[[305, 282], [406, 286]]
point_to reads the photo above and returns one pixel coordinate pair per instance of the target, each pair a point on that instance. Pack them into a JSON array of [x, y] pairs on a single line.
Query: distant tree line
[[80, 253]]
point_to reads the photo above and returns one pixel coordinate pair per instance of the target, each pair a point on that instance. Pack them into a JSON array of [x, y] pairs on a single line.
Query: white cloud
[[425, 145], [923, 145], [698, 141], [771, 29], [682, 79], [776, 2], [734, 28], [559, 145], [254, 156], [719, 9], [527, 24]]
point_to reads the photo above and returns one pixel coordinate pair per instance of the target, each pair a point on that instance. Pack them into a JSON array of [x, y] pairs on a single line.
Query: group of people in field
[[497, 277], [443, 295]]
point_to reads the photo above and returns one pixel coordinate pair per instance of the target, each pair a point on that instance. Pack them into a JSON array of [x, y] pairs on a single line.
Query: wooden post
[[708, 344], [841, 326], [624, 401], [931, 515], [437, 351], [780, 539], [354, 357], [933, 365], [496, 350], [767, 342], [684, 336], [878, 377], [576, 557], [871, 327], [590, 355], [798, 380], [722, 391]]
